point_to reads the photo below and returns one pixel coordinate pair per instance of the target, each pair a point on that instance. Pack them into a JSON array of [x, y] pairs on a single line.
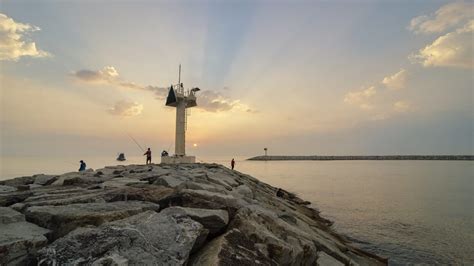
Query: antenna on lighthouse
[[179, 77]]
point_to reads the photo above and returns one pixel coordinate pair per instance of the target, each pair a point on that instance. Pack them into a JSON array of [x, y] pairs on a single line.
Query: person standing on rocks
[[232, 163], [148, 156], [82, 167]]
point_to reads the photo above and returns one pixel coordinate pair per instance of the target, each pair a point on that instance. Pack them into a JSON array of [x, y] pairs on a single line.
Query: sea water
[[409, 211]]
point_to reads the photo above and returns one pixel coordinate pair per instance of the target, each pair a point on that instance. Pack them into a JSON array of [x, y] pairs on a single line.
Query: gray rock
[[63, 219], [213, 220], [243, 191], [4, 189], [9, 198], [168, 181], [44, 180], [33, 186], [19, 242], [113, 260], [24, 180], [148, 238], [231, 248], [9, 215], [209, 200], [122, 182], [324, 259]]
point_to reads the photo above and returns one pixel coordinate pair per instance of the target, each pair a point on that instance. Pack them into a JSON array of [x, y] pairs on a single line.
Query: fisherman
[[148, 156], [232, 163], [83, 166]]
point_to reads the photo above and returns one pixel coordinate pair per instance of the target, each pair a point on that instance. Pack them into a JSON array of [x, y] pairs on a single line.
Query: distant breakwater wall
[[363, 157]]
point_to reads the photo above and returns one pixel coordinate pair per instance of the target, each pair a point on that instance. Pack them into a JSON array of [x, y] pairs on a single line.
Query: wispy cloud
[[402, 106], [208, 100], [13, 42], [361, 98], [447, 17], [126, 108], [397, 80], [453, 49]]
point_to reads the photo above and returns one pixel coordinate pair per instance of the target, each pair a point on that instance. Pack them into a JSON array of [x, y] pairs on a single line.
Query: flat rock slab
[[20, 240], [4, 189], [65, 218], [122, 182], [9, 198], [213, 220], [148, 238], [9, 215]]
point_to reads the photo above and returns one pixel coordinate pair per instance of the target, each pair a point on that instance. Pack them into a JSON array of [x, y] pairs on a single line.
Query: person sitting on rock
[[280, 193], [82, 167], [148, 156], [164, 153]]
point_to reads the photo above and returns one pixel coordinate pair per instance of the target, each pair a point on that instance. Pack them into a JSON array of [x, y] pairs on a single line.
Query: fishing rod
[[136, 142]]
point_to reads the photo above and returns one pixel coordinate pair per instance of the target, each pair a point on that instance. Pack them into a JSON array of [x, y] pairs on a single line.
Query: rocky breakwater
[[193, 214]]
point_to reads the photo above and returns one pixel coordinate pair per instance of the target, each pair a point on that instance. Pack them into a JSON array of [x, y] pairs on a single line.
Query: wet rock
[[65, 218], [213, 220], [148, 238]]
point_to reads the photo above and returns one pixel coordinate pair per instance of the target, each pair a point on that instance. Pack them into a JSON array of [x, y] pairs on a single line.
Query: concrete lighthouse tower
[[181, 99]]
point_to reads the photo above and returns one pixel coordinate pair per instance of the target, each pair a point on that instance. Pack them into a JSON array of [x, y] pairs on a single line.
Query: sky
[[353, 77]]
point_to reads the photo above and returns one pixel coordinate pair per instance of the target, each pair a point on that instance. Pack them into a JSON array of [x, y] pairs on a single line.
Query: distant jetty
[[362, 157]]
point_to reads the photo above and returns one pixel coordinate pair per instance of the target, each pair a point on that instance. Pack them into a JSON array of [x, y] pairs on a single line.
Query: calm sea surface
[[410, 211]]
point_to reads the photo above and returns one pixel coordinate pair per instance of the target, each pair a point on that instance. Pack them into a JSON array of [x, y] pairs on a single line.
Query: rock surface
[[19, 240], [64, 218], [148, 238], [195, 214]]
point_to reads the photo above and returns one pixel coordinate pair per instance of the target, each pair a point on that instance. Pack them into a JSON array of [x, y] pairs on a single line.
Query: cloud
[[107, 75], [397, 80], [213, 101], [361, 98], [402, 106], [13, 45], [453, 49], [448, 16], [207, 100], [126, 108]]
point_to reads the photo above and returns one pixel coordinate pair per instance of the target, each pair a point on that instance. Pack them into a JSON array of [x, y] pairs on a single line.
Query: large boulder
[[231, 249], [213, 220], [19, 240], [148, 238], [64, 218]]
